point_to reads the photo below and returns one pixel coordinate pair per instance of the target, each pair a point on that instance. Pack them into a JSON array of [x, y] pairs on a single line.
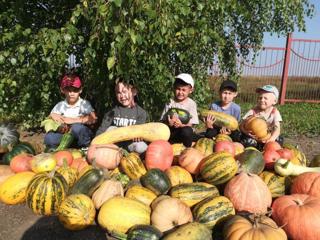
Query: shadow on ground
[[49, 228]]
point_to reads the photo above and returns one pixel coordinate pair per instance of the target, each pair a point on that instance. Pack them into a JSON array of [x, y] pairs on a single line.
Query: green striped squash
[[77, 212], [70, 174], [218, 167], [222, 137], [192, 193], [141, 194], [212, 210], [275, 183], [45, 193], [156, 180], [143, 231], [221, 119], [132, 165], [205, 146]]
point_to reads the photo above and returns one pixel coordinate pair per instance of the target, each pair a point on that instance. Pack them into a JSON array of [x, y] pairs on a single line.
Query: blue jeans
[[80, 132]]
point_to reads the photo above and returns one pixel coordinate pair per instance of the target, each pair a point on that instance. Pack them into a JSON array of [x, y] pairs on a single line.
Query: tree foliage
[[143, 41]]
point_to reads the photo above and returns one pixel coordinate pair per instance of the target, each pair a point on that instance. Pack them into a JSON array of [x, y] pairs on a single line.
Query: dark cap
[[228, 84]]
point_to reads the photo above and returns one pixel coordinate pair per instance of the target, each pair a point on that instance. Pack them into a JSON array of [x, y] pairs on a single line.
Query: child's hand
[[210, 119], [225, 130], [177, 123], [172, 120]]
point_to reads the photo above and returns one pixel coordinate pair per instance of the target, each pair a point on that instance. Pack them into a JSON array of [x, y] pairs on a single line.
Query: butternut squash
[[148, 132], [285, 168]]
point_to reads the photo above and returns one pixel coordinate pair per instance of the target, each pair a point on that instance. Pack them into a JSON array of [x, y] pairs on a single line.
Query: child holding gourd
[[265, 108], [74, 114], [227, 93], [181, 132], [126, 112]]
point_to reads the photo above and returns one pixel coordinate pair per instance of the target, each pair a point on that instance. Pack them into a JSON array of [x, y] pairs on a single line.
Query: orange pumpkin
[[105, 156], [79, 163], [159, 154], [258, 126], [307, 183], [21, 162], [299, 214], [248, 193], [63, 156], [190, 159]]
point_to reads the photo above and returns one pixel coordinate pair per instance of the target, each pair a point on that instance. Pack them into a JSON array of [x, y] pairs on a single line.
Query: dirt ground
[[19, 223]]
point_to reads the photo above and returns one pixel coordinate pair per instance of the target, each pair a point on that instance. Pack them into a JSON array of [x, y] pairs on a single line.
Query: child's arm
[[275, 133]]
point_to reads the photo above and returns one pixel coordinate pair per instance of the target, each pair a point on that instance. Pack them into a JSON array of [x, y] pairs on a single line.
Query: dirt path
[[19, 223]]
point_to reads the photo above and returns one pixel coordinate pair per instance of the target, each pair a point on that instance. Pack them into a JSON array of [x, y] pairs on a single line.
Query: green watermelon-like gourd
[[156, 180], [251, 161], [182, 114], [22, 147], [143, 231]]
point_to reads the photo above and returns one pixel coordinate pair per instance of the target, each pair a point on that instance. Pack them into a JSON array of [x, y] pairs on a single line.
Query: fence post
[[285, 71]]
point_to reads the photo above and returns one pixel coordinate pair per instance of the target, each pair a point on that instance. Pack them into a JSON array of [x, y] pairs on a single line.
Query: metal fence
[[294, 69]]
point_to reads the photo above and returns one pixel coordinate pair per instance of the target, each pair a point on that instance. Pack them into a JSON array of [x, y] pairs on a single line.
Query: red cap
[[70, 81]]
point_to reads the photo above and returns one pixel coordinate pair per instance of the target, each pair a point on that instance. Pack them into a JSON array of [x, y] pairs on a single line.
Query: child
[[183, 133], [73, 113], [267, 98], [227, 92], [126, 112]]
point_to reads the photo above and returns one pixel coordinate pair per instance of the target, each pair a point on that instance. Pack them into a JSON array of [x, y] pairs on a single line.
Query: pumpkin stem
[[298, 202], [51, 174]]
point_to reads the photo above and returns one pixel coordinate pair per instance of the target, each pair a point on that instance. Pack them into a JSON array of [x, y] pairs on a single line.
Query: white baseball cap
[[270, 89], [187, 78]]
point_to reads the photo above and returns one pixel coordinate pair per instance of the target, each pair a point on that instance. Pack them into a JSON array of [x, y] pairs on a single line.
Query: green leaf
[[117, 2], [110, 62]]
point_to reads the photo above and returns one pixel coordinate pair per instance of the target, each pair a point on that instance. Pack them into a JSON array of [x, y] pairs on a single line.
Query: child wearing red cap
[[74, 113]]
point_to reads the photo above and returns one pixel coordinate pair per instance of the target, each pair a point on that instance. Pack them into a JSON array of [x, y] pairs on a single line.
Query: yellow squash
[[13, 189], [148, 132]]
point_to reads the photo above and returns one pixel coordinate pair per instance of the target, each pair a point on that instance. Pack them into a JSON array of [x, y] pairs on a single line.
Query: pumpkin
[[299, 214], [149, 132], [213, 210], [178, 175], [299, 158], [177, 149], [79, 163], [63, 156], [258, 127], [105, 156], [225, 146], [132, 165], [307, 183], [275, 183], [192, 193], [43, 162], [157, 200], [252, 227], [141, 194], [21, 162], [251, 161], [5, 172], [70, 174], [22, 147], [159, 154], [156, 180], [205, 146], [88, 182], [221, 119], [118, 214], [169, 213], [107, 190], [190, 231], [76, 212], [45, 193], [248, 192], [218, 168], [8, 135], [190, 159], [13, 189], [76, 153], [142, 231]]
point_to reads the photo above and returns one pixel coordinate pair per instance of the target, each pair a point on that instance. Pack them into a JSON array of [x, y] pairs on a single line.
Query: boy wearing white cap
[[182, 132], [267, 98]]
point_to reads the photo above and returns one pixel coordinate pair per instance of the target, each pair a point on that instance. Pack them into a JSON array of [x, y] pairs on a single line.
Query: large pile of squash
[[216, 189]]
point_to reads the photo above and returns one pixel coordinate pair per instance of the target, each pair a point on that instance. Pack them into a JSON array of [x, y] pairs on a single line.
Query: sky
[[312, 30]]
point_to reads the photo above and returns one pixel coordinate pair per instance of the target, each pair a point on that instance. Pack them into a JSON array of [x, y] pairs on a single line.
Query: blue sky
[[312, 30]]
